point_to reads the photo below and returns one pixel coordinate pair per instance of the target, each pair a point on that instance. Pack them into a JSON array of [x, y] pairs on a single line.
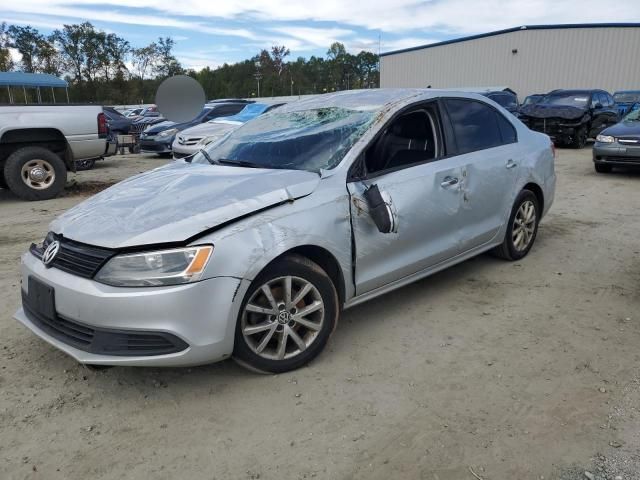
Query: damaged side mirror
[[379, 210]]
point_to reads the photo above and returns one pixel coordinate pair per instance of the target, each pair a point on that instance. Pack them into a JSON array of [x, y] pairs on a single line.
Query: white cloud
[[450, 16], [316, 37]]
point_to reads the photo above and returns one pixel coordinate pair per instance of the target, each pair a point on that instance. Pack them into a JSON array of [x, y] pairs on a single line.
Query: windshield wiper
[[240, 163], [208, 157]]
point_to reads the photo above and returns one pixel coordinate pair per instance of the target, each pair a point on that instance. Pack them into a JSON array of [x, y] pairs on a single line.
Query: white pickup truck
[[40, 143]]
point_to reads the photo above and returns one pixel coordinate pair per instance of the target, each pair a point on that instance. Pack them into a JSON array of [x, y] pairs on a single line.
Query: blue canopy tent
[[32, 80]]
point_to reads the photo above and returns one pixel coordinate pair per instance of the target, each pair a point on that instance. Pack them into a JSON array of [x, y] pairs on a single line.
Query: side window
[[507, 130], [409, 139], [475, 125], [610, 101]]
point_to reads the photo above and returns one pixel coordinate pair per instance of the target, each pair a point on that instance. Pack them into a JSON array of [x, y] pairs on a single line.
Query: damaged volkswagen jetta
[[252, 247]]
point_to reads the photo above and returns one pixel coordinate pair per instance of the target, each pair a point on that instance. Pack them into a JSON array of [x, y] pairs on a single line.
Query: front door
[[422, 188]]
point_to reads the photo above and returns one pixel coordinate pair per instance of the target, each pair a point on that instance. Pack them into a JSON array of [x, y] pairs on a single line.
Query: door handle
[[449, 181], [511, 164]]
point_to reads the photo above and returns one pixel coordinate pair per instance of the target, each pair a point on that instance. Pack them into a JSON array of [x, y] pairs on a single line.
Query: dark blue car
[[159, 138], [626, 101]]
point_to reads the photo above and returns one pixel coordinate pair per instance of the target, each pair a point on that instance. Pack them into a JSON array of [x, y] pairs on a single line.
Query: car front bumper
[[181, 151], [201, 314], [616, 154], [156, 145]]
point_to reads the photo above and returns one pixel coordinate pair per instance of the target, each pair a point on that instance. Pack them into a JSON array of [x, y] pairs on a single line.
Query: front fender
[[243, 249]]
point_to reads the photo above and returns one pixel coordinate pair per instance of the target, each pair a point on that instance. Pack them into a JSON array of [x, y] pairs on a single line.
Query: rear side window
[[507, 130], [475, 125]]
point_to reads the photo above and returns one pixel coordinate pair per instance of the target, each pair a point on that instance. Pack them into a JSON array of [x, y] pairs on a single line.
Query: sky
[[212, 32]]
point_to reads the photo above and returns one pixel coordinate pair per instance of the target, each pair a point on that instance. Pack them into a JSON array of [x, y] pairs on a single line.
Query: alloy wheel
[[524, 225], [282, 318]]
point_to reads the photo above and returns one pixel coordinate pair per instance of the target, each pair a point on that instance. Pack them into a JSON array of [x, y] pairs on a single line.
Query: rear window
[[475, 125]]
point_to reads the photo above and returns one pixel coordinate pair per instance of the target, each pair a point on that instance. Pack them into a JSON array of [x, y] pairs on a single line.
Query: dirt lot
[[523, 370]]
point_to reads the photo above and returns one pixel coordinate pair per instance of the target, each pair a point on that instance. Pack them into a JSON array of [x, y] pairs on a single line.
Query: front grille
[[73, 257], [151, 146], [180, 155], [103, 341]]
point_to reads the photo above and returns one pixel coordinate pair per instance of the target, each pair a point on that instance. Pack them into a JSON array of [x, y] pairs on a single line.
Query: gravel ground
[[522, 370]]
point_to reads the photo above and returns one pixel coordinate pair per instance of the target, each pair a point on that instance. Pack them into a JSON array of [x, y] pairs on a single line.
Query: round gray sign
[[180, 98]]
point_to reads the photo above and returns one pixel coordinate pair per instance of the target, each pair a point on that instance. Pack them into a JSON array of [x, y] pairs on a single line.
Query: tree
[[278, 54], [144, 59], [6, 62], [27, 41], [166, 64], [71, 42]]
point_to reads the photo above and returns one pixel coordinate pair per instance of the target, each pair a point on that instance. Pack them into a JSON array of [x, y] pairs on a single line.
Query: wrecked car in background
[[192, 139], [570, 117], [254, 246], [618, 146]]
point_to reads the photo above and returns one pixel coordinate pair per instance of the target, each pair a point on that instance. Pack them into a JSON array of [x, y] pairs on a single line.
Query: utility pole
[[258, 76]]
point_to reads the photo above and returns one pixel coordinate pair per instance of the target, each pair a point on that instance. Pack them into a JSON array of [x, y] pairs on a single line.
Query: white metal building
[[529, 59]]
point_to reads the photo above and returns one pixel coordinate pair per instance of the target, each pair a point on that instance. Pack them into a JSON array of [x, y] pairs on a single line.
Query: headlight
[[162, 267], [605, 139], [168, 133]]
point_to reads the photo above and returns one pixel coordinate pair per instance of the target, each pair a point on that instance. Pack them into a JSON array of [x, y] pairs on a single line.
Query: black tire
[[507, 250], [21, 157], [3, 182], [305, 269], [580, 138], [600, 168], [83, 165]]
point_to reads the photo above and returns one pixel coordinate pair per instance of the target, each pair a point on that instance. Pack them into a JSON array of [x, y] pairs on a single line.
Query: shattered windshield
[[571, 99], [626, 97], [300, 140]]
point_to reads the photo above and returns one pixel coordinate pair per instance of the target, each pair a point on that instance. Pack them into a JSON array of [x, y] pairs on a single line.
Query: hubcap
[[282, 318], [524, 225], [38, 174]]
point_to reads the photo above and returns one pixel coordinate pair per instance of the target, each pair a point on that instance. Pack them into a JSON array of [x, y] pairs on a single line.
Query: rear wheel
[[35, 173], [3, 182], [522, 227], [287, 316], [600, 168]]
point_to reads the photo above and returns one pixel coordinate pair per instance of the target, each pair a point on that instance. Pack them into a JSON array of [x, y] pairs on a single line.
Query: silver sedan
[[253, 247]]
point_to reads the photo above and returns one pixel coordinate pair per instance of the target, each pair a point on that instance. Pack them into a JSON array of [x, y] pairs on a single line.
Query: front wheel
[[35, 173], [522, 227], [287, 316], [600, 168], [580, 138]]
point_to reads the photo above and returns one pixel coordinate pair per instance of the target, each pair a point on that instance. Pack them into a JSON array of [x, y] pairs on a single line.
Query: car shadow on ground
[[205, 379]]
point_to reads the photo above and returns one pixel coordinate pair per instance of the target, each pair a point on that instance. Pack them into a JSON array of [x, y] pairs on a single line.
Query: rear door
[[487, 148]]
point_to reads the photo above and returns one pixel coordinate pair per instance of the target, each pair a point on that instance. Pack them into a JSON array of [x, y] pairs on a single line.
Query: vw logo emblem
[[50, 253]]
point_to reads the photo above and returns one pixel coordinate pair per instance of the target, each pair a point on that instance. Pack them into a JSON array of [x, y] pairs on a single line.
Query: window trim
[[443, 147], [454, 139]]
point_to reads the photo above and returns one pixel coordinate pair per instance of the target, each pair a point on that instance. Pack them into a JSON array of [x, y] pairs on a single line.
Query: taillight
[[103, 129], [553, 150]]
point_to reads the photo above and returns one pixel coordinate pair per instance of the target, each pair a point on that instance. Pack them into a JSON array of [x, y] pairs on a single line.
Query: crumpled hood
[[176, 202], [553, 111]]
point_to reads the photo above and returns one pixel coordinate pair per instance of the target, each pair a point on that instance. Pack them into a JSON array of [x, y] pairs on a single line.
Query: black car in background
[[159, 138], [532, 99], [505, 98], [570, 117], [117, 123]]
